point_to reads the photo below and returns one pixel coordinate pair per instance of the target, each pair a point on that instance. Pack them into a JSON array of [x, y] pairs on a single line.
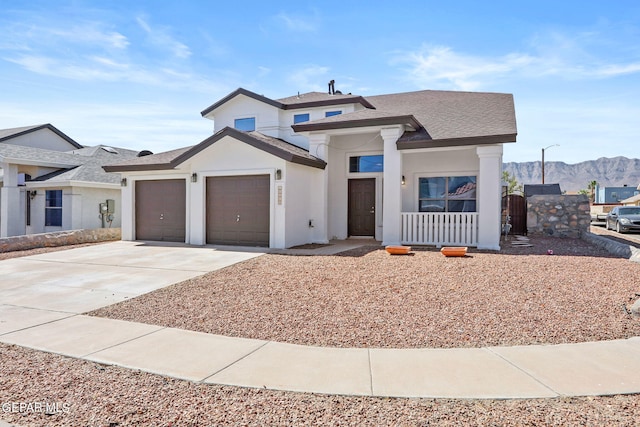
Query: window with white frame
[[247, 124], [447, 194], [53, 208], [332, 113], [300, 118]]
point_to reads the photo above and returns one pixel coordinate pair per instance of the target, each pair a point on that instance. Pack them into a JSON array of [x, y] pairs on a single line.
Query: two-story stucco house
[[420, 167]]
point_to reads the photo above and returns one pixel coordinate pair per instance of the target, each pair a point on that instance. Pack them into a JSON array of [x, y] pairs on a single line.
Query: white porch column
[[10, 216], [319, 147], [489, 194], [392, 187]]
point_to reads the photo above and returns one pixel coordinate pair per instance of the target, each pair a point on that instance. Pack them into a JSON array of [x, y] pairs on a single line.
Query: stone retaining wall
[[58, 238], [558, 215], [616, 248]]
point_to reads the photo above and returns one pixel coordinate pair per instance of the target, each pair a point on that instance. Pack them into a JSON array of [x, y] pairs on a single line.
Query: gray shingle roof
[[93, 158], [37, 156], [444, 117], [172, 159], [84, 164]]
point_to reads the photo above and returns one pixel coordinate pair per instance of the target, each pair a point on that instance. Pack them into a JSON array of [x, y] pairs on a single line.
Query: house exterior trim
[[233, 133], [406, 143], [40, 127], [382, 121]]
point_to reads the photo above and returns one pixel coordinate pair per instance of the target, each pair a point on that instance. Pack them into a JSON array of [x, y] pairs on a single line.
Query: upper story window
[[366, 163], [53, 208], [299, 118], [447, 194], [247, 124], [332, 113]]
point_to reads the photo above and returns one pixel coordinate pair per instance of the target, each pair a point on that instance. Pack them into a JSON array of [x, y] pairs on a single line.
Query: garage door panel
[[161, 210], [238, 209]]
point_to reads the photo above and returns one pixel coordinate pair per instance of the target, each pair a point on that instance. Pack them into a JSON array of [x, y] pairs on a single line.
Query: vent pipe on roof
[[332, 87]]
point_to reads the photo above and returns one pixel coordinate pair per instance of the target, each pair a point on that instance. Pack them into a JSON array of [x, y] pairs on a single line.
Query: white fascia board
[[71, 183], [27, 162]]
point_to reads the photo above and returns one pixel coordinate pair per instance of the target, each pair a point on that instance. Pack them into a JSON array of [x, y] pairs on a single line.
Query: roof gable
[[172, 159], [305, 100], [6, 135], [237, 92]]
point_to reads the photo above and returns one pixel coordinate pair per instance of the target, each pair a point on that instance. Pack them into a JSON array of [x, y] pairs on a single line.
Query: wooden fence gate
[[515, 206]]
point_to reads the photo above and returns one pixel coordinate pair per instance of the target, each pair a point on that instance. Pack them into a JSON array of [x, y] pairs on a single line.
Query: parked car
[[623, 219]]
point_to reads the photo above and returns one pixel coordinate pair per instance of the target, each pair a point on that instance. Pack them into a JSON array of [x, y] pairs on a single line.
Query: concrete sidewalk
[[42, 296], [597, 368]]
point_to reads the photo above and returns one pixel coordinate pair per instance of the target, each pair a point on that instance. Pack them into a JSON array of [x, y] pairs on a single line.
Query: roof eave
[[328, 102], [247, 139], [227, 131], [345, 124], [136, 168], [237, 92], [455, 142]]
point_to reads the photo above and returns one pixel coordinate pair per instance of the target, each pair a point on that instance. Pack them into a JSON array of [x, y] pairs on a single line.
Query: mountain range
[[607, 172]]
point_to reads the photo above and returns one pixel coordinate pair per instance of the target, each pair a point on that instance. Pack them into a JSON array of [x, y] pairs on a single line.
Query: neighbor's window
[[366, 163], [332, 113], [447, 194], [53, 208], [299, 118], [247, 124]]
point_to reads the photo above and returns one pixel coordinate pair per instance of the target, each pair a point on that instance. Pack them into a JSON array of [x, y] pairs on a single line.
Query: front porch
[[439, 229]]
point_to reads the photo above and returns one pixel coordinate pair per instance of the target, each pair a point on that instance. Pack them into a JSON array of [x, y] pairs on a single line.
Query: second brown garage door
[[238, 210]]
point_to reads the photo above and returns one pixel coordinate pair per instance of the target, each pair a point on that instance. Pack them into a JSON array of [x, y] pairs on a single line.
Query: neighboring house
[[415, 168], [614, 194], [49, 182], [632, 201]]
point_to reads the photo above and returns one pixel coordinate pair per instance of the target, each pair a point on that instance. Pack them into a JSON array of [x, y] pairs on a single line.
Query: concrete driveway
[[51, 286]]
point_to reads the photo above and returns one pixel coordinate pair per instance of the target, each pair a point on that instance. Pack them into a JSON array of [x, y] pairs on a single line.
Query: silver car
[[623, 219]]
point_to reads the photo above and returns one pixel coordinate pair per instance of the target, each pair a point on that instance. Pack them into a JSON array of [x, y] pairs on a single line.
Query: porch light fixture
[[32, 194], [194, 177], [123, 182], [403, 182], [278, 174]]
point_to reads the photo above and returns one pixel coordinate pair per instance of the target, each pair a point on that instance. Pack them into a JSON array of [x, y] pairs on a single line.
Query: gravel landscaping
[[89, 394], [368, 298], [360, 298]]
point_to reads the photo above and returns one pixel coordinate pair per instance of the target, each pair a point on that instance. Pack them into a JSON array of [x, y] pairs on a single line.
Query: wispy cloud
[[441, 67], [569, 58], [159, 36], [298, 23], [309, 78]]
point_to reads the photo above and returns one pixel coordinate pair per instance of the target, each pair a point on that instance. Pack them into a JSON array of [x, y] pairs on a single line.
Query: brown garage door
[[238, 210], [161, 210]]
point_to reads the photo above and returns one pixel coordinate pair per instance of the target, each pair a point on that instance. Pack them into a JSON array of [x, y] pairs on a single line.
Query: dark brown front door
[[362, 207], [161, 210], [238, 210]]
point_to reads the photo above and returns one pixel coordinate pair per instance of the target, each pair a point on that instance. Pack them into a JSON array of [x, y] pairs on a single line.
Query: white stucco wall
[[340, 149], [298, 194], [43, 138], [242, 107], [433, 163], [79, 208]]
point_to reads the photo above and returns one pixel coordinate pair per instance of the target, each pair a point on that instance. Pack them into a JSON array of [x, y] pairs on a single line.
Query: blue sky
[[136, 74]]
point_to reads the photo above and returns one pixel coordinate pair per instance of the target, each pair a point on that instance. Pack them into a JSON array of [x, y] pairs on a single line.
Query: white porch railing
[[440, 229]]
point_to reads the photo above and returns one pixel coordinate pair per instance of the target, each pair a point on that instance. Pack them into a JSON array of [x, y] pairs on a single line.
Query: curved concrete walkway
[[34, 316]]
